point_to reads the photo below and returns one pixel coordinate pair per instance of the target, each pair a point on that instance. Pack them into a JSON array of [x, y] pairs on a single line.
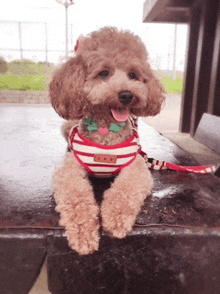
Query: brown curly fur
[[77, 90]]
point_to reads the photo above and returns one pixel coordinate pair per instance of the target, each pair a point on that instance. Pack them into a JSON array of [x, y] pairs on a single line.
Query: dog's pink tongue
[[120, 115]]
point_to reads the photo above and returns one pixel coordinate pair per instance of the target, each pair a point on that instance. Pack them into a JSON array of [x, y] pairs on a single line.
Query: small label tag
[[105, 158]]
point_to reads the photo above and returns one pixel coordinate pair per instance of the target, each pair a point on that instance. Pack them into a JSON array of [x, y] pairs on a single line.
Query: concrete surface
[[40, 286], [167, 123]]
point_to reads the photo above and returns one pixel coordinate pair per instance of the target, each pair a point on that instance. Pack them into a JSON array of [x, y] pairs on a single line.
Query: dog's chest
[[103, 160]]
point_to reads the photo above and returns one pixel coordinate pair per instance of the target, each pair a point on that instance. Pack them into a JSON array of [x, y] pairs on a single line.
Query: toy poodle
[[98, 92]]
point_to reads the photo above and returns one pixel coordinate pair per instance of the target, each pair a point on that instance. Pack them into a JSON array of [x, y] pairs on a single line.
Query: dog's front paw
[[81, 222], [118, 217], [84, 238]]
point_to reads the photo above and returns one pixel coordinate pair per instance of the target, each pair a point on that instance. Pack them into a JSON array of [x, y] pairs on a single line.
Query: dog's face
[[110, 71], [119, 84]]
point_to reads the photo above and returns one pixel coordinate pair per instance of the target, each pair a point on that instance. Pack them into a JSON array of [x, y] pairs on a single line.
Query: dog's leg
[[77, 206], [123, 201]]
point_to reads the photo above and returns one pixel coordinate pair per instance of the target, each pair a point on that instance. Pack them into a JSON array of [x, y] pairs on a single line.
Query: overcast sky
[[84, 16]]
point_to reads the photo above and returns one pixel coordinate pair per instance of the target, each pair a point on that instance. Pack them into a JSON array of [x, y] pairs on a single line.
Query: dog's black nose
[[125, 97]]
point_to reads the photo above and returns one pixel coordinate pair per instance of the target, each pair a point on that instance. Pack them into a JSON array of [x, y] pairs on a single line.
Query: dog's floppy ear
[[66, 89], [155, 96]]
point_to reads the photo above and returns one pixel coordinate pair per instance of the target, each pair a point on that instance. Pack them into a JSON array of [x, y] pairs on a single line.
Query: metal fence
[[35, 41], [45, 42]]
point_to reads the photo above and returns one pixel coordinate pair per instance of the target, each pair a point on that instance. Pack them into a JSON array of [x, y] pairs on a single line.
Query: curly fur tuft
[[66, 89]]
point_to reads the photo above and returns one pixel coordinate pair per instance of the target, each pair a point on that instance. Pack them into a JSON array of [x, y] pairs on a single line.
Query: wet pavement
[[167, 123], [174, 243]]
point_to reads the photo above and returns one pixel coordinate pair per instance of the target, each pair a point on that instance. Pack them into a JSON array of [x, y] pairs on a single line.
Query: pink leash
[[164, 165]]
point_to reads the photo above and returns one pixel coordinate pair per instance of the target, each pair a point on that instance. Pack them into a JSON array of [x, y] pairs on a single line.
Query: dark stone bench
[[173, 248]]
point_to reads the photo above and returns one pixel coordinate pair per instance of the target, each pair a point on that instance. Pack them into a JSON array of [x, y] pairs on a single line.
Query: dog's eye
[[104, 73], [132, 76]]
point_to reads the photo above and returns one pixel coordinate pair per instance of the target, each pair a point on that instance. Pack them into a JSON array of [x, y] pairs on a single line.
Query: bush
[[18, 67], [3, 66], [29, 67]]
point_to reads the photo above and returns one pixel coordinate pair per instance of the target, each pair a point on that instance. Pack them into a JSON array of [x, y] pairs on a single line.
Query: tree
[[3, 66]]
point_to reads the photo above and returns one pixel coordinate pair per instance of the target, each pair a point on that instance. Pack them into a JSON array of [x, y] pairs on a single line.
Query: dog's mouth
[[120, 115]]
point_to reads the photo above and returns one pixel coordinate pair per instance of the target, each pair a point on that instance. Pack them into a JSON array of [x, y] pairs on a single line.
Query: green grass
[[40, 82], [25, 83], [172, 86]]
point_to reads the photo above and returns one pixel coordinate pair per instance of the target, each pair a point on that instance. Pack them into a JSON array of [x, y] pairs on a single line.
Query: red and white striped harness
[[103, 160], [108, 160]]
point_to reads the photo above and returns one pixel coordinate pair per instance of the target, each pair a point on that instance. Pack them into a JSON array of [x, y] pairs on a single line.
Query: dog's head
[[110, 69]]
